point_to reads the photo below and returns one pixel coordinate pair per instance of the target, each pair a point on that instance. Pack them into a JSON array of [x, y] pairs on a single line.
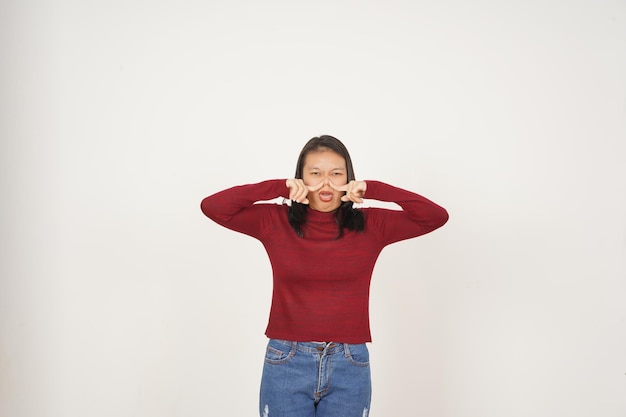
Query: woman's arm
[[419, 215], [234, 207]]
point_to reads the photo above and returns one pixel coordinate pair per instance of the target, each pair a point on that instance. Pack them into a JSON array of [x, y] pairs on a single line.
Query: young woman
[[322, 252]]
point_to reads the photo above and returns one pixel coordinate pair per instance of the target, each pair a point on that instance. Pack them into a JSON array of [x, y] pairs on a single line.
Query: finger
[[295, 185], [301, 196], [313, 188], [350, 197], [357, 195], [360, 190], [353, 198], [292, 192], [355, 192], [338, 187], [297, 194], [294, 188]]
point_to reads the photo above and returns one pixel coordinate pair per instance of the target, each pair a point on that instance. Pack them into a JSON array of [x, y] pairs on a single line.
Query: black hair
[[346, 216]]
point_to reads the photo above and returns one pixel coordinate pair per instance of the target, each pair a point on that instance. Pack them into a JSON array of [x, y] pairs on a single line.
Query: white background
[[119, 298]]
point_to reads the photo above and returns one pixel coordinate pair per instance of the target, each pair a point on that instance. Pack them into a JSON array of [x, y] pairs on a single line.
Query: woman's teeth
[[325, 196]]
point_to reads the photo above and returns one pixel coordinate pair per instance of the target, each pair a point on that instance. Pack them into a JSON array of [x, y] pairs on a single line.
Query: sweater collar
[[320, 216]]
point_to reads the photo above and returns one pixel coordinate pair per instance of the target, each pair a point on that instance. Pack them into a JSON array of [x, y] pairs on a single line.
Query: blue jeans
[[310, 379]]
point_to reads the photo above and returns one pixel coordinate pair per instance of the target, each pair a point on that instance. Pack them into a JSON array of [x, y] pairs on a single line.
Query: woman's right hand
[[298, 191]]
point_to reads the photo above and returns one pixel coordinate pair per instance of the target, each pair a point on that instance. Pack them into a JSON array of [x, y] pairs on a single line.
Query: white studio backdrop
[[118, 298]]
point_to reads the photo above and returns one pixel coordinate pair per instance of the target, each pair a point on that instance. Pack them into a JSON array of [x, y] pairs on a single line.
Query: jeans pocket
[[358, 355], [278, 352]]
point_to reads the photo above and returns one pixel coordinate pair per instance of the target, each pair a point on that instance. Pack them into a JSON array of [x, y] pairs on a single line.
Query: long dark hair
[[346, 216]]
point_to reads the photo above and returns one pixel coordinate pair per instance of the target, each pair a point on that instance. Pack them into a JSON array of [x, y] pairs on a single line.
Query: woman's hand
[[355, 190], [298, 191]]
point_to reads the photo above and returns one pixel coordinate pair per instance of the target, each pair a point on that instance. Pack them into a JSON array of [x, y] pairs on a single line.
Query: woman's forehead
[[325, 157]]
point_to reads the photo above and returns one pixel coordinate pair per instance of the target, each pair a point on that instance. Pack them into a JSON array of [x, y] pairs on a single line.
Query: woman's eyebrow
[[334, 169]]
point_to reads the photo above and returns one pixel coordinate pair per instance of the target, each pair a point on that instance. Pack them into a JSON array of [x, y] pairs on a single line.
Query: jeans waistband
[[315, 347]]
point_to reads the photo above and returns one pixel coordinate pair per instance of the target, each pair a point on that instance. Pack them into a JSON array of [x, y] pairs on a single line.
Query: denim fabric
[[311, 379]]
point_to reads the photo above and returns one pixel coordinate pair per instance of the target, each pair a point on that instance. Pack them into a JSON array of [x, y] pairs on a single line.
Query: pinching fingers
[[313, 188], [355, 191], [298, 191], [338, 187]]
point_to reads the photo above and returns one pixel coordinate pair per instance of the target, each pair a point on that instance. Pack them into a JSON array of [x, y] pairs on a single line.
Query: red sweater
[[321, 283]]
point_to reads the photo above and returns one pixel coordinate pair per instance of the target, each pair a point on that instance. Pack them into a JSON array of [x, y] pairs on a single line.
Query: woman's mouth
[[326, 196]]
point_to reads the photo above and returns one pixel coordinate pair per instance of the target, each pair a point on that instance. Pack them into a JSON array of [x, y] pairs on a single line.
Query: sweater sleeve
[[234, 207], [418, 216]]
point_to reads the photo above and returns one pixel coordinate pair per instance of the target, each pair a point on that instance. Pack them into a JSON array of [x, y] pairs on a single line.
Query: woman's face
[[324, 166]]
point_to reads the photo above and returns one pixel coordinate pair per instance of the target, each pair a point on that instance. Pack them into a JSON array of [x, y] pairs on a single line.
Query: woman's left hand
[[355, 190]]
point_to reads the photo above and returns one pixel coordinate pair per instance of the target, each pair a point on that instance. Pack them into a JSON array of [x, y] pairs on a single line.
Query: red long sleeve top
[[321, 282]]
